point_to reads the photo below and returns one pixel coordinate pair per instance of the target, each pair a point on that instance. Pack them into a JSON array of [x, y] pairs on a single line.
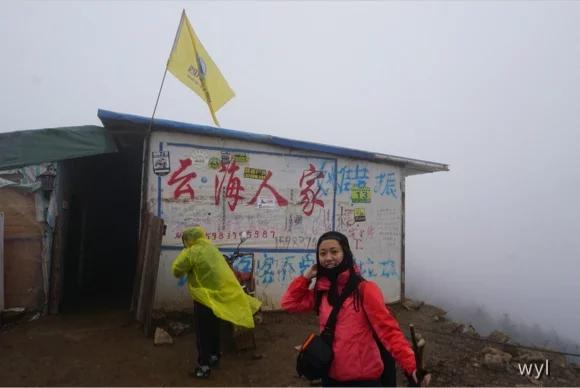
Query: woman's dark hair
[[347, 264]]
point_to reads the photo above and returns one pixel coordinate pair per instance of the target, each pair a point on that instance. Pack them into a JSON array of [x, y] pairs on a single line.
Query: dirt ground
[[101, 348]]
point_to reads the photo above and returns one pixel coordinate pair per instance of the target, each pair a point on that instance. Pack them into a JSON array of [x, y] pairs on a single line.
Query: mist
[[490, 88]]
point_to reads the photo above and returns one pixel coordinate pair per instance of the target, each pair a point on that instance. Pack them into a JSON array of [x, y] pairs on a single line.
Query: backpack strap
[[328, 331]]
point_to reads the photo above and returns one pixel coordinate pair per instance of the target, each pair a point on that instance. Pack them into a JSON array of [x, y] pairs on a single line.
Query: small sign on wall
[[360, 194], [161, 163], [266, 202], [225, 157], [214, 163], [359, 214], [254, 173], [241, 158]]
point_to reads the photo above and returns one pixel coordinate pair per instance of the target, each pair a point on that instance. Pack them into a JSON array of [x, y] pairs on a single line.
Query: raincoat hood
[[193, 235]]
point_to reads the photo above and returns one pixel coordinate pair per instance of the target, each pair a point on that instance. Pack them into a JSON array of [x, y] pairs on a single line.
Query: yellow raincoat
[[211, 282]]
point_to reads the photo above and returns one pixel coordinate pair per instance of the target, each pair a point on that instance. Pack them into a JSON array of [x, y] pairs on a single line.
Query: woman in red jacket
[[357, 360]]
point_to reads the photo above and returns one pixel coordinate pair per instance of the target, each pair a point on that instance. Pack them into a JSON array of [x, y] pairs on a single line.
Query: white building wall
[[305, 194]]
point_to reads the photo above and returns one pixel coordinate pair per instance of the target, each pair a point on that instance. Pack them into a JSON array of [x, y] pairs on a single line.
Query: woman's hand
[[310, 272], [424, 382]]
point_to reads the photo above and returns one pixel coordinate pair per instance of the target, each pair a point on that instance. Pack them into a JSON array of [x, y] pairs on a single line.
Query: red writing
[[279, 199], [233, 186], [309, 196], [182, 181]]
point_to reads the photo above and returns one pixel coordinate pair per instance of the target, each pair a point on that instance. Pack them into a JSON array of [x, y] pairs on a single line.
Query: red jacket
[[356, 355]]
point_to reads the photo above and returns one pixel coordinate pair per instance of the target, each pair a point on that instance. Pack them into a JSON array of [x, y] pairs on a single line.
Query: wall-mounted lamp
[[47, 180]]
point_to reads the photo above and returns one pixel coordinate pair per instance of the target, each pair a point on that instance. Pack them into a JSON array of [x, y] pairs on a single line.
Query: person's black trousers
[[207, 331]]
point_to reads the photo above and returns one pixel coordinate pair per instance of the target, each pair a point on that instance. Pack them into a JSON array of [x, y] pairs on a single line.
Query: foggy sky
[[491, 88]]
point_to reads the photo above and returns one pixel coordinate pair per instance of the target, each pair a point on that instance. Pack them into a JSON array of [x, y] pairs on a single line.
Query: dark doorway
[[102, 197]]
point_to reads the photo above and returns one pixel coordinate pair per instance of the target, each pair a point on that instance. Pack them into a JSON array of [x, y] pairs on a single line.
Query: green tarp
[[25, 148]]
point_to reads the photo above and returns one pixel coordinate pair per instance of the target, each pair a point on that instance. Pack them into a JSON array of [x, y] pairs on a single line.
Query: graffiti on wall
[[352, 177], [286, 205], [226, 181], [180, 179], [284, 202], [308, 197], [282, 269], [270, 196]]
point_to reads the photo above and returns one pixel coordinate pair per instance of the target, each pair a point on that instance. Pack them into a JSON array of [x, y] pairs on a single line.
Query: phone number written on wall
[[253, 234]]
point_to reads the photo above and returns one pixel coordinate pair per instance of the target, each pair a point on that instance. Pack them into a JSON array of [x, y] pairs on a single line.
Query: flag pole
[[215, 120], [145, 176], [157, 101], [147, 147], [213, 116], [165, 72]]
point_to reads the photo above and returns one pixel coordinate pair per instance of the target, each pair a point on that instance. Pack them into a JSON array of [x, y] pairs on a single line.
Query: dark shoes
[[201, 372], [214, 361]]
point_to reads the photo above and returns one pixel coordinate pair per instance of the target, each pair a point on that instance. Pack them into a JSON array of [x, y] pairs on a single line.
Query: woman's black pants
[[207, 331]]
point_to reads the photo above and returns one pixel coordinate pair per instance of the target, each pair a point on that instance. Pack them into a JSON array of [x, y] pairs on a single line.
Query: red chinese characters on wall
[[182, 180], [228, 185], [265, 185], [233, 185], [309, 197]]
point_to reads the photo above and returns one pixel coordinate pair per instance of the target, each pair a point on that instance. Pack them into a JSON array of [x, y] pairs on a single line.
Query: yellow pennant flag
[[192, 65]]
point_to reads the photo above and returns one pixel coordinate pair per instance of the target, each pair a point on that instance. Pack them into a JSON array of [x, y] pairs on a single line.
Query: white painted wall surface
[[305, 195]]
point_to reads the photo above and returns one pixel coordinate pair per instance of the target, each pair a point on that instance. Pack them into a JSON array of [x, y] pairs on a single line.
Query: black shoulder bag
[[316, 353]]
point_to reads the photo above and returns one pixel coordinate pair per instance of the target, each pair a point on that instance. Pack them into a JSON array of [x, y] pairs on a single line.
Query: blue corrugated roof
[[123, 120]]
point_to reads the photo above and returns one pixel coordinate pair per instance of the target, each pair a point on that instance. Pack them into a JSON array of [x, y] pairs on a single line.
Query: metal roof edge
[[415, 164], [109, 118]]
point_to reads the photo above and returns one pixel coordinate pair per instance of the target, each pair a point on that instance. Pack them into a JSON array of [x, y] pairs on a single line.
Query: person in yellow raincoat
[[216, 294]]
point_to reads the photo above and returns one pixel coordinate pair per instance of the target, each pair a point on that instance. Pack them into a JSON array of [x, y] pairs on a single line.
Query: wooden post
[[140, 260], [402, 239], [140, 312], [148, 266], [55, 293], [153, 268]]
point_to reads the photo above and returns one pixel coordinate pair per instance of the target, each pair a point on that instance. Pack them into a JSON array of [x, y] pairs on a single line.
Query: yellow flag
[[192, 65]]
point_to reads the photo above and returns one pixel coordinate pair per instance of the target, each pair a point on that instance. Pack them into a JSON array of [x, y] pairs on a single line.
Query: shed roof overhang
[[31, 147], [124, 122]]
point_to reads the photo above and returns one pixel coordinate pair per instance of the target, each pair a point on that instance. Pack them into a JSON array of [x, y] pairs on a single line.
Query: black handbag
[[316, 354], [314, 358]]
